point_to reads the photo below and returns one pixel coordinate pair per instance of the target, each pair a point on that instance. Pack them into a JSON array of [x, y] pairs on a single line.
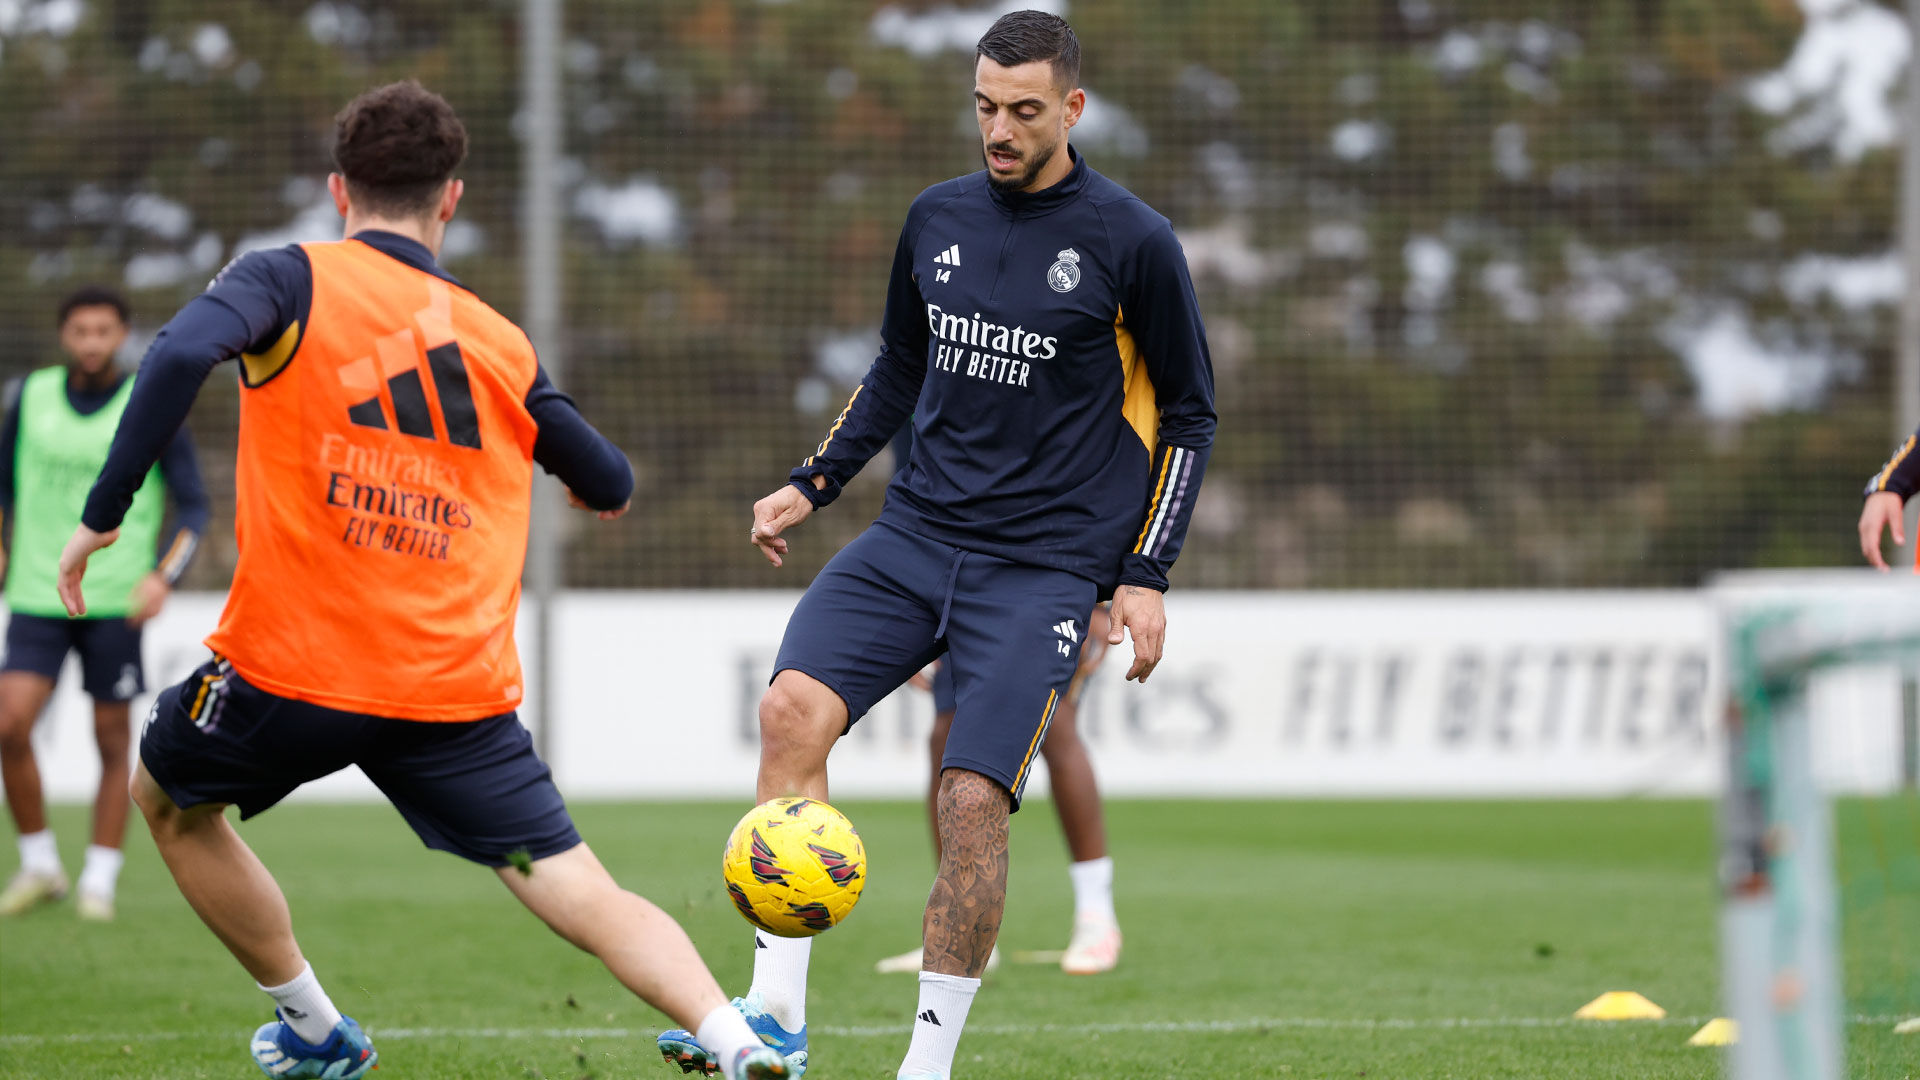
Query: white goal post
[[1780, 932]]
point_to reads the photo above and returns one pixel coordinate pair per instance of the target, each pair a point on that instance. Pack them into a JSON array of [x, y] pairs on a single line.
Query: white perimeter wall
[[1578, 694]]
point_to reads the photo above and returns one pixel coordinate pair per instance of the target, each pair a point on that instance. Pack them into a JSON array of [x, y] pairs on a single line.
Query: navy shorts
[[892, 601], [943, 697], [944, 700], [475, 789], [110, 668]]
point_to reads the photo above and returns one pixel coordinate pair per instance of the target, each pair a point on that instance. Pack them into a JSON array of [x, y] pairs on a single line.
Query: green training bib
[[59, 454]]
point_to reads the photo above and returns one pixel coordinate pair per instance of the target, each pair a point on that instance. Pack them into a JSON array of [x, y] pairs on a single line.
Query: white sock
[[305, 1006], [944, 1001], [102, 870], [723, 1034], [780, 977], [1093, 889], [38, 853]]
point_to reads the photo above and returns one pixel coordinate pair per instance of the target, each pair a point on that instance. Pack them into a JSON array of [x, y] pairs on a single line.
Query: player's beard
[[1034, 162]]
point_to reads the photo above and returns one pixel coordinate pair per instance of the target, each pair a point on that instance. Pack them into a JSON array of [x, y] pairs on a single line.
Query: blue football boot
[[346, 1054], [680, 1047]]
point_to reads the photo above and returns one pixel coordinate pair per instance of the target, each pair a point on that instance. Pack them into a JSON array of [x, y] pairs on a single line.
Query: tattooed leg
[[969, 896]]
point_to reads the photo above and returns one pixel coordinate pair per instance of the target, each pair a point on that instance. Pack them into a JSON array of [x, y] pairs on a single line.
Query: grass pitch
[[1263, 940]]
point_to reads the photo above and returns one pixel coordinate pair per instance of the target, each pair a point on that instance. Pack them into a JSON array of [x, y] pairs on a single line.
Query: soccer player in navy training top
[[1041, 331]]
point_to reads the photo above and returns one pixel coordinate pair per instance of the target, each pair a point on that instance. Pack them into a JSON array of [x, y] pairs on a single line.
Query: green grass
[[1333, 939]]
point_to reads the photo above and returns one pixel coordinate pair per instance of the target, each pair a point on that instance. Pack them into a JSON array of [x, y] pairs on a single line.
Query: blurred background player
[[1042, 332], [1095, 944], [53, 439], [1887, 495], [390, 421]]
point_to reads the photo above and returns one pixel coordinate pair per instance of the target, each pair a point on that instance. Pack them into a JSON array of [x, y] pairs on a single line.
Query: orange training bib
[[383, 479]]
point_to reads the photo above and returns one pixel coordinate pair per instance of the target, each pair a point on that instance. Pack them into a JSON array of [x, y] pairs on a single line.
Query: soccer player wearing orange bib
[[389, 425], [1887, 495]]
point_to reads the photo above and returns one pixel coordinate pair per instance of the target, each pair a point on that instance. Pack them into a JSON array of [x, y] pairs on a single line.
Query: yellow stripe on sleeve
[[174, 551], [1159, 490], [1886, 474], [835, 429]]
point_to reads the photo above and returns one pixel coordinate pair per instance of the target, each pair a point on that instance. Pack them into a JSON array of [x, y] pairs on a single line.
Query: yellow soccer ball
[[794, 866]]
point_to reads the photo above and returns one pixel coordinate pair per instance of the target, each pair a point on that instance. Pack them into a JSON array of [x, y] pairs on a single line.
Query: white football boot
[[31, 888], [1094, 948]]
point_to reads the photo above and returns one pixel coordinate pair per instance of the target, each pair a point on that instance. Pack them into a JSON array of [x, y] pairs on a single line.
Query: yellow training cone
[[1620, 1005], [1721, 1032]]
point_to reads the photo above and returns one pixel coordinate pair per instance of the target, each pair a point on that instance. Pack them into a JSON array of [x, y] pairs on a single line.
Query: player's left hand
[[579, 503], [73, 566], [777, 513], [1141, 612], [1883, 512], [149, 596]]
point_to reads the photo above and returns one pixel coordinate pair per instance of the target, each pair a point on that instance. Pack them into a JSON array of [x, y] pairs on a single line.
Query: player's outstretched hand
[[73, 566], [579, 503], [774, 515], [1141, 612], [1883, 511]]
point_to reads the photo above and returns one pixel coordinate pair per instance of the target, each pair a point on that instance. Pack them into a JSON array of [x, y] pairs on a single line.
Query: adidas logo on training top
[[396, 367], [930, 1018], [949, 257], [412, 412]]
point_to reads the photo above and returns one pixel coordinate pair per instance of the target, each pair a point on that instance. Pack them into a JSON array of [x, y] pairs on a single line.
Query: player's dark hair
[[1024, 37], [396, 145], [94, 296]]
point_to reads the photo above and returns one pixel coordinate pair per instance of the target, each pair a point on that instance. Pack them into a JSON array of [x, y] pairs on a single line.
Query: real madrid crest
[[1064, 274]]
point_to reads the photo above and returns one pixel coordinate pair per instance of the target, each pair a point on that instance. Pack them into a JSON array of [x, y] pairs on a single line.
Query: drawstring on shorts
[[946, 603]]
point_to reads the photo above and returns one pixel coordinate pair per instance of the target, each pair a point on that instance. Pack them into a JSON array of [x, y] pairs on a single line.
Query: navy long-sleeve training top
[[179, 470], [1049, 349], [249, 308], [1901, 474]]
